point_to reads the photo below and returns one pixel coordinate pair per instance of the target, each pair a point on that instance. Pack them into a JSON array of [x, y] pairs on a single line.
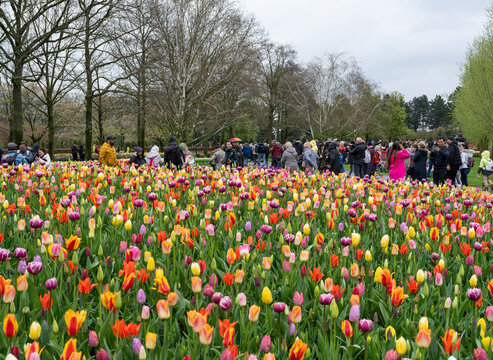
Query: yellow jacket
[[107, 155]]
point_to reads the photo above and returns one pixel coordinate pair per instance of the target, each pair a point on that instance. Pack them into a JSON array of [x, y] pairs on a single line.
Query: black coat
[[173, 154], [137, 160], [441, 157], [419, 160], [454, 155], [358, 154], [333, 160], [231, 157]]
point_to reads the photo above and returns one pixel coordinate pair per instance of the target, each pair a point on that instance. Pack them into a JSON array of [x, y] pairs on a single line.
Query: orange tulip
[[205, 335], [46, 301], [22, 284], [316, 274], [347, 329], [172, 299], [9, 294], [162, 307], [73, 242], [253, 313], [128, 282], [239, 275], [70, 351], [423, 339], [224, 325], [108, 300], [10, 325], [229, 336], [123, 330], [33, 349], [196, 284], [298, 350], [74, 321], [295, 315], [3, 284], [85, 286], [196, 320], [230, 256], [448, 344], [161, 282], [398, 296]]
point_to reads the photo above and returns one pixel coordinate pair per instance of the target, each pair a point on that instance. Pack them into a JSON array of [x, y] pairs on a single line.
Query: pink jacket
[[398, 168]]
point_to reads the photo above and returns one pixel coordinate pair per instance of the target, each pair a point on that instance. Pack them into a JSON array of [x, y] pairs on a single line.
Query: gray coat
[[289, 159], [217, 157], [310, 158]]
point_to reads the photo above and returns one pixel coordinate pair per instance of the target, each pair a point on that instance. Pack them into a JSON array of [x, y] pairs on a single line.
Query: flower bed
[[126, 263]]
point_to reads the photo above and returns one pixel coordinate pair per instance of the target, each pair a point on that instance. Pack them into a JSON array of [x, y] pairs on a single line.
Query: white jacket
[[153, 157]]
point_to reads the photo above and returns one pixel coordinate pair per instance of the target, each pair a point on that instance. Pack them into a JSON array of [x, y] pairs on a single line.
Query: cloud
[[414, 47]]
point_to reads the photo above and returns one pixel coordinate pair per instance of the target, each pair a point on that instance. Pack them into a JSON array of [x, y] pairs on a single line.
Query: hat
[[110, 138], [451, 138], [172, 139], [12, 146], [138, 148]]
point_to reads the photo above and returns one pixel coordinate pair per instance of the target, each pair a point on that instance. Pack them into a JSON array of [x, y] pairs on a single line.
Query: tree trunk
[[139, 114], [51, 122], [89, 94], [100, 119], [270, 123], [16, 130]]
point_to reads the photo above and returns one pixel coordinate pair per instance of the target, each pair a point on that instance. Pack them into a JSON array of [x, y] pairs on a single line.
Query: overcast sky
[[413, 46]]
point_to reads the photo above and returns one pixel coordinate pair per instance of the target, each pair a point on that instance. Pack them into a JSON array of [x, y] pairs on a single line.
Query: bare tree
[[20, 43], [203, 46], [276, 63]]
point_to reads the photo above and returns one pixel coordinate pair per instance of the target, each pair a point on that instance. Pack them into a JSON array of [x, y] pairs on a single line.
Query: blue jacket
[[247, 152], [19, 159], [310, 158]]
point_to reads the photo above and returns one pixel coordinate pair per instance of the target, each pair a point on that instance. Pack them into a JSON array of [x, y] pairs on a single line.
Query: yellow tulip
[[266, 296], [35, 331], [400, 346]]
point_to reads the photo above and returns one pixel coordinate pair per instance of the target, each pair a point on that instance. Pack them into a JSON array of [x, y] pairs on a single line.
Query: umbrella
[[235, 140]]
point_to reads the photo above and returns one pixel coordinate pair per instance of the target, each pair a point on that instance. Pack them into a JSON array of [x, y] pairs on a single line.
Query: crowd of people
[[23, 155], [444, 159]]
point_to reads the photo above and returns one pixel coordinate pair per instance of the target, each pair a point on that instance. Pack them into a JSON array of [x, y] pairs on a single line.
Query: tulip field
[[124, 263]]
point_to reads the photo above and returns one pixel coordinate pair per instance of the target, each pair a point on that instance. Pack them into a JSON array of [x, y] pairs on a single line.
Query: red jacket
[[277, 150]]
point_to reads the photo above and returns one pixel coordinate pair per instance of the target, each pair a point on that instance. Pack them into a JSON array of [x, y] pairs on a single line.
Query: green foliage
[[417, 112], [474, 99], [393, 115], [440, 113]]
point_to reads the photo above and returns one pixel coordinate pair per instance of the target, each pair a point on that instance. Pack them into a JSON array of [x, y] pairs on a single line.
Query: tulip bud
[[118, 301], [334, 310], [55, 327], [100, 250], [455, 303], [100, 275]]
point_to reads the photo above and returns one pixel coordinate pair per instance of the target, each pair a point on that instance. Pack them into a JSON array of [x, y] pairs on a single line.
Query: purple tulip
[[35, 223], [213, 281], [292, 329], [279, 307], [152, 196], [340, 227], [74, 216], [365, 325], [138, 203], [142, 230], [51, 284], [20, 253], [208, 291], [141, 296], [22, 267], [354, 313], [266, 344], [102, 355], [469, 260], [325, 299], [266, 229], [216, 297], [34, 267], [225, 303], [474, 294], [136, 345], [4, 254]]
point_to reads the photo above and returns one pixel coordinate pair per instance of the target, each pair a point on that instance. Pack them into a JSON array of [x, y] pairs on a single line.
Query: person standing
[[230, 156], [138, 159], [310, 158], [440, 162], [358, 157], [173, 154], [486, 168], [371, 167], [81, 152], [217, 158], [107, 153], [289, 159], [419, 162], [276, 154], [453, 160], [465, 156], [75, 152], [396, 161], [333, 159], [247, 153]]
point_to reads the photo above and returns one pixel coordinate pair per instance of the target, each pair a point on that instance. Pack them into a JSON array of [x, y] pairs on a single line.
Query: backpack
[[489, 166], [375, 158], [367, 156], [470, 162], [9, 160]]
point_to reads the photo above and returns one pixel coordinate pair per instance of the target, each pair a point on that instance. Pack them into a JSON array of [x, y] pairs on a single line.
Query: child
[[486, 167]]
